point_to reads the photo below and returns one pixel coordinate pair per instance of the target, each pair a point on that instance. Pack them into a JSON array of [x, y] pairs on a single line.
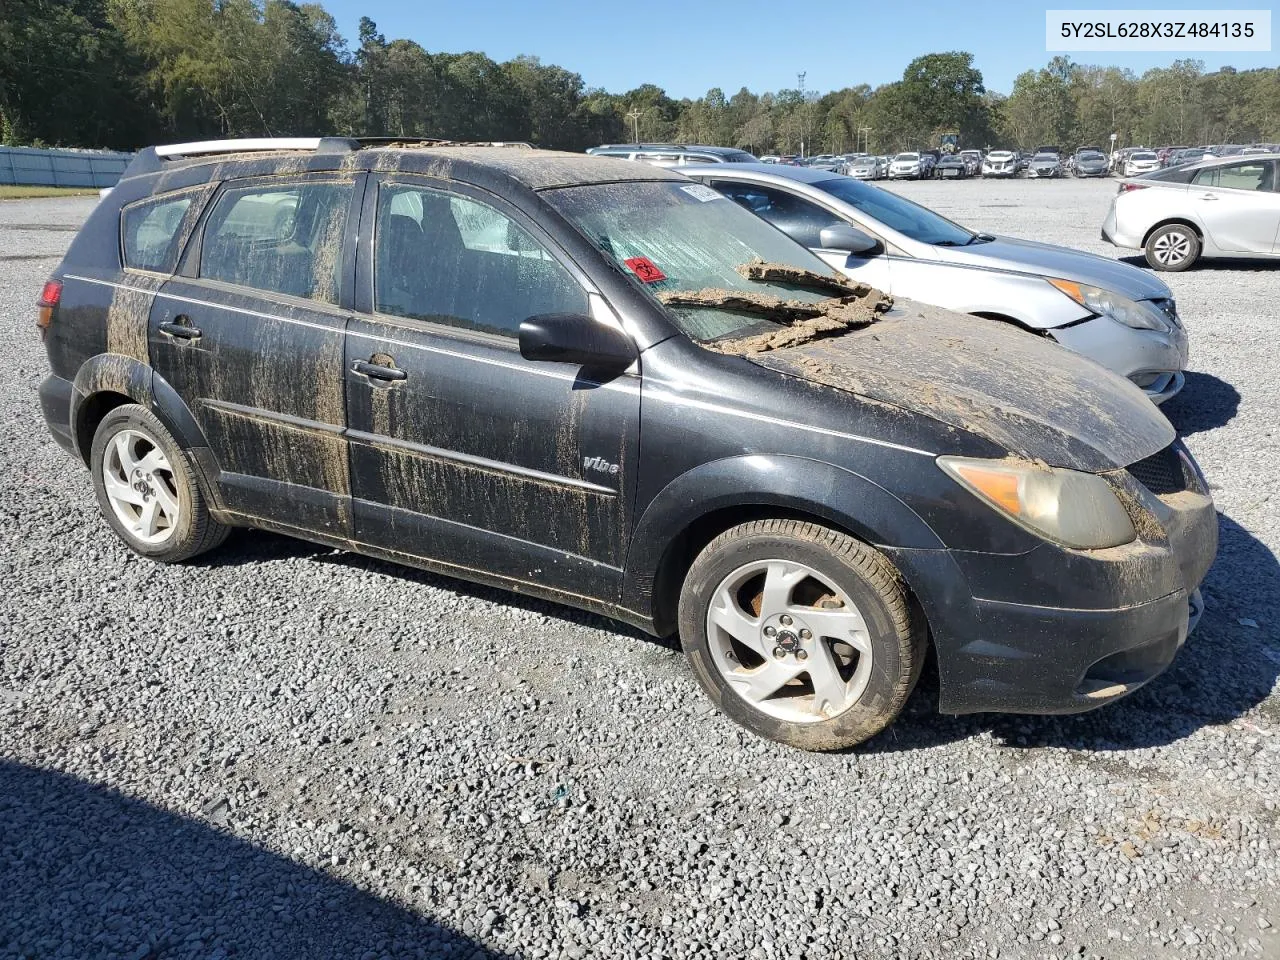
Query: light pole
[[867, 132]]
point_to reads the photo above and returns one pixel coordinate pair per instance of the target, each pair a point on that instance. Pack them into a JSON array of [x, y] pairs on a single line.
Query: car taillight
[[1126, 187], [49, 298]]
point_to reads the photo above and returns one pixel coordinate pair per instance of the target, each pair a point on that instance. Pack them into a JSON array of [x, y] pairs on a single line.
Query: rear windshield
[[898, 213], [685, 237]]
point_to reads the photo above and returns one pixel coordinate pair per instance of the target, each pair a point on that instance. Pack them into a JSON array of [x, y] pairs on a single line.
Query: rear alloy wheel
[[800, 633], [1172, 247], [147, 489]]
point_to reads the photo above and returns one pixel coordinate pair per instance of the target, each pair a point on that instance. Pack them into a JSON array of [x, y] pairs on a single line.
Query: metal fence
[[29, 166]]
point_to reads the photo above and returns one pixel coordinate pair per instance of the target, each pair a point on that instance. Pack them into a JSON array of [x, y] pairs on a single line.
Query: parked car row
[[442, 355]]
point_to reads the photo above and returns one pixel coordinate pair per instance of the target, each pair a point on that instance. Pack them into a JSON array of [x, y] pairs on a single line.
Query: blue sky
[[688, 47]]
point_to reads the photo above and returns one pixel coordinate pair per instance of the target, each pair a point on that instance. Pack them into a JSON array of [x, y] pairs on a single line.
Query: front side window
[[799, 219], [448, 259], [280, 238], [151, 233]]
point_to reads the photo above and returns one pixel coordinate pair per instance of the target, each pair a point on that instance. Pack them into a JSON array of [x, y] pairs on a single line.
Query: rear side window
[[1238, 176], [449, 259], [151, 233], [281, 238]]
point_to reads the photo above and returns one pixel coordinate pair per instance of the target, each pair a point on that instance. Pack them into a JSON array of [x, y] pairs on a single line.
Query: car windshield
[[671, 237], [999, 155], [1143, 156], [897, 213], [907, 156], [1089, 155], [1046, 156]]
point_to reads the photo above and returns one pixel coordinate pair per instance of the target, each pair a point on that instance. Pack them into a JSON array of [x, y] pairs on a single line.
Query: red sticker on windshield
[[645, 269]]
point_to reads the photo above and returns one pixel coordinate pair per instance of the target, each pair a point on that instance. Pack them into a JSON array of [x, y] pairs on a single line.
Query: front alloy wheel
[[801, 633]]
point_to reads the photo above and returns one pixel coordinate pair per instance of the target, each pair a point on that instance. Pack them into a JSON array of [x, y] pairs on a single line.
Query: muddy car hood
[[1048, 260], [1031, 397]]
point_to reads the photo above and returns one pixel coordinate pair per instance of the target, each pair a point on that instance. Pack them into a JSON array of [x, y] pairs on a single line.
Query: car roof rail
[[152, 159]]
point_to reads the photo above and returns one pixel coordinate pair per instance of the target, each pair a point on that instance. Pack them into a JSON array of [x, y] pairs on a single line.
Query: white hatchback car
[[1215, 208]]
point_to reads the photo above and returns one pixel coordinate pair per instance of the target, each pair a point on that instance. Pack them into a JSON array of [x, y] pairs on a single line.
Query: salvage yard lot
[[285, 751]]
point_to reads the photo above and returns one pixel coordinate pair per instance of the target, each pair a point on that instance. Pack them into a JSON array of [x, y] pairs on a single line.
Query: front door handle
[[378, 371], [180, 327], [1208, 196]]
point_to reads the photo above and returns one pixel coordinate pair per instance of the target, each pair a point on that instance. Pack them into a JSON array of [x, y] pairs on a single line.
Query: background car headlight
[[1071, 508], [1132, 313]]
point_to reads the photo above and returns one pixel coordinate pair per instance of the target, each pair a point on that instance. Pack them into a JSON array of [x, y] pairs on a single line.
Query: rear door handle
[[181, 328], [376, 371]]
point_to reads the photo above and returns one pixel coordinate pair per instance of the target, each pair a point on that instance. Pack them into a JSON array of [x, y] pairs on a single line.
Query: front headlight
[[1141, 315], [1071, 508]]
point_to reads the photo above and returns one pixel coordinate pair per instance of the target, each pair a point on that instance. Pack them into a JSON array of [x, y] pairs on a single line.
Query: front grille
[[1161, 472], [1170, 309]]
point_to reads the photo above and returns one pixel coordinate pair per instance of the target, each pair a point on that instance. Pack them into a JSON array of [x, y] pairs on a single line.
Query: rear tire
[[1173, 247], [147, 488], [800, 633]]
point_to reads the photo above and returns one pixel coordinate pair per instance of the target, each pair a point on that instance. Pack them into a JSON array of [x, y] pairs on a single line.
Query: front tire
[[800, 633], [1173, 248], [147, 488]]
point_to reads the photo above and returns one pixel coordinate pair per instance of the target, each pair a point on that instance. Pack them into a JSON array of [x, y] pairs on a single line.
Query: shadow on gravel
[[1212, 264], [87, 872], [257, 546], [1225, 669], [1205, 403]]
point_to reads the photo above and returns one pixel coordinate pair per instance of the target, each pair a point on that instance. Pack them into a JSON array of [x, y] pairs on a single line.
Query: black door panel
[[461, 450], [262, 369]]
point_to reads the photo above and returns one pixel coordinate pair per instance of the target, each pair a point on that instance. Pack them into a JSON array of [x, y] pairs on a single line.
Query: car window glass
[[895, 212], [151, 234], [799, 219], [1238, 176], [279, 238], [449, 259]]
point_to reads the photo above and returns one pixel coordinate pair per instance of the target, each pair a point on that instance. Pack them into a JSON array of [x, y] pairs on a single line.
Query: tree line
[[125, 73]]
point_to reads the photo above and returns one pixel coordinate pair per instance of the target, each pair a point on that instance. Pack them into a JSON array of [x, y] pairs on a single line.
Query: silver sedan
[[1120, 316]]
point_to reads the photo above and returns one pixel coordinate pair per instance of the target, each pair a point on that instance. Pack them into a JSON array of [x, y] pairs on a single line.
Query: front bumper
[[1153, 361], [1065, 631], [1009, 171]]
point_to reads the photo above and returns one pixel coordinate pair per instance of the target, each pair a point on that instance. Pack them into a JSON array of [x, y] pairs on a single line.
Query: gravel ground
[[287, 751]]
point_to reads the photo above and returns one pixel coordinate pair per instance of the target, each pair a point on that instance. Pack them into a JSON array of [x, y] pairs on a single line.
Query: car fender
[[115, 373], [1027, 299], [838, 496]]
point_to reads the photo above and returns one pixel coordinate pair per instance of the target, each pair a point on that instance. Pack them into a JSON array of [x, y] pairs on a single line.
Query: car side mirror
[[845, 237], [576, 338]]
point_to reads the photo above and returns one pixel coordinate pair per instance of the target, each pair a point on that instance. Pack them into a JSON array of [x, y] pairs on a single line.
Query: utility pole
[[804, 114], [861, 132], [635, 115]]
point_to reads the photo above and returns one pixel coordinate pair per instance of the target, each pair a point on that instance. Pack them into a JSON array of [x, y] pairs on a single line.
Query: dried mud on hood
[[855, 306], [1030, 396]]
